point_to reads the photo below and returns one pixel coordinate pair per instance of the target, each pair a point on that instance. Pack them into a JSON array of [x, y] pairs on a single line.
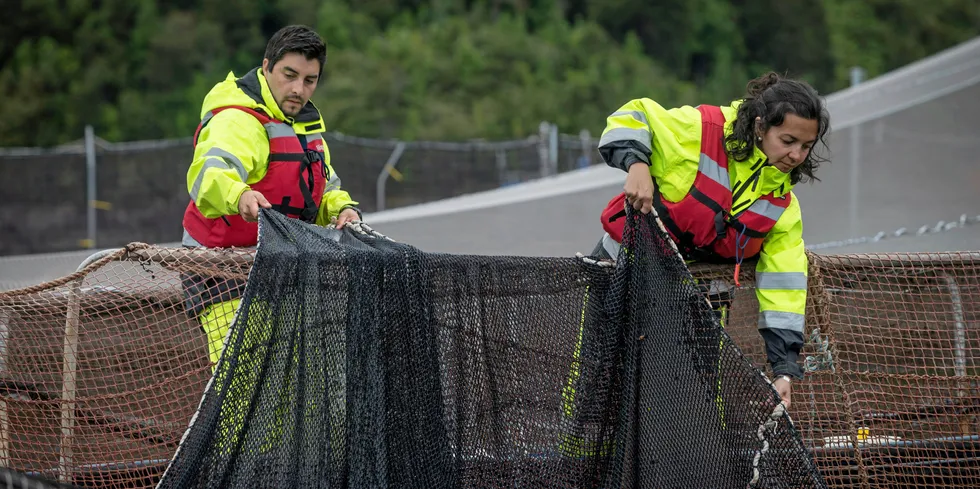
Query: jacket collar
[[256, 86]]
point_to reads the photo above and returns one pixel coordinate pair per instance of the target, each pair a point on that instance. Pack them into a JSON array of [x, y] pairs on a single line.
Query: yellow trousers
[[216, 320]]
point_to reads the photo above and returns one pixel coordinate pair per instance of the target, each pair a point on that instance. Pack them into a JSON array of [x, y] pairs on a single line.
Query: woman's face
[[787, 145]]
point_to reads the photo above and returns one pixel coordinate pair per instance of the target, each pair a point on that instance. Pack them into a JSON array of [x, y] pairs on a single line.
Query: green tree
[[440, 69], [463, 79], [883, 35], [787, 36]]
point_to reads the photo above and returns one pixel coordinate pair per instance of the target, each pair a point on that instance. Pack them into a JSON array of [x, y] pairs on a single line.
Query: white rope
[[770, 425], [362, 228], [593, 261], [940, 227]]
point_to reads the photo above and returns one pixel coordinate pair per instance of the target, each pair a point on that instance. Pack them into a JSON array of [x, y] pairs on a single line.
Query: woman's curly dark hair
[[771, 97]]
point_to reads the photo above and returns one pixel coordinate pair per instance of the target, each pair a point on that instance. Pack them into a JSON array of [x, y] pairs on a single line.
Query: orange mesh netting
[[102, 370]]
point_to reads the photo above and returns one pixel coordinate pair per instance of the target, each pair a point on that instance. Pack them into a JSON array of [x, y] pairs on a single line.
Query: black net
[[356, 361]]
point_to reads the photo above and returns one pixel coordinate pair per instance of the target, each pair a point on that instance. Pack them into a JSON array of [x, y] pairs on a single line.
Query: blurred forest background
[[440, 69]]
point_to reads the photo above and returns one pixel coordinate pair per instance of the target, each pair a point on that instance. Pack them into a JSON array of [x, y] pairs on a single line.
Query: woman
[[721, 179]]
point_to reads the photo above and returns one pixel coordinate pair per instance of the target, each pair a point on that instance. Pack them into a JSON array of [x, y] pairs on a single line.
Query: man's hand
[[639, 187], [249, 203], [783, 388], [346, 215]]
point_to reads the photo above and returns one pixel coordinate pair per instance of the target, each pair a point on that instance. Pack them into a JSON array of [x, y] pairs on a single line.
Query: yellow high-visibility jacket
[[244, 144], [669, 141]]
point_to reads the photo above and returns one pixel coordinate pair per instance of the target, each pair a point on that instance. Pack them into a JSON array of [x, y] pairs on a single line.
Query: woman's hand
[[639, 187]]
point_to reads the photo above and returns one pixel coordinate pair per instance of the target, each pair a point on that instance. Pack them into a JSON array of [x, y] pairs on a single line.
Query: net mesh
[[53, 220], [472, 371], [141, 187], [431, 171], [357, 361]]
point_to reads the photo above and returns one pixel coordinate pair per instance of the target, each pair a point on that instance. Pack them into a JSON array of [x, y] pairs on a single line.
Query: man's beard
[[299, 106]]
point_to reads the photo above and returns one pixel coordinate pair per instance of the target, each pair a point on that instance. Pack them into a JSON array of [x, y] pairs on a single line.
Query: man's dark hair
[[296, 39]]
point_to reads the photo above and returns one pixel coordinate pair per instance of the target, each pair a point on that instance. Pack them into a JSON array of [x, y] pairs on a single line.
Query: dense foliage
[[440, 69]]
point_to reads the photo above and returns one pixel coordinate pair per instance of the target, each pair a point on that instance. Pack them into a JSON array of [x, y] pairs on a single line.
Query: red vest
[[294, 184], [701, 223]]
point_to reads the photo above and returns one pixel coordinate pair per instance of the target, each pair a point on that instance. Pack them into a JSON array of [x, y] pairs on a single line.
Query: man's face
[[292, 81]]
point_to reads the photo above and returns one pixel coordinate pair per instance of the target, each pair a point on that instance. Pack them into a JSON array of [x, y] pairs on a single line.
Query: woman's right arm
[[638, 138], [627, 138]]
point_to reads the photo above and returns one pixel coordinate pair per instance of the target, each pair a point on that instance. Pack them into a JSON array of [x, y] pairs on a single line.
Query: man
[[259, 144]]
